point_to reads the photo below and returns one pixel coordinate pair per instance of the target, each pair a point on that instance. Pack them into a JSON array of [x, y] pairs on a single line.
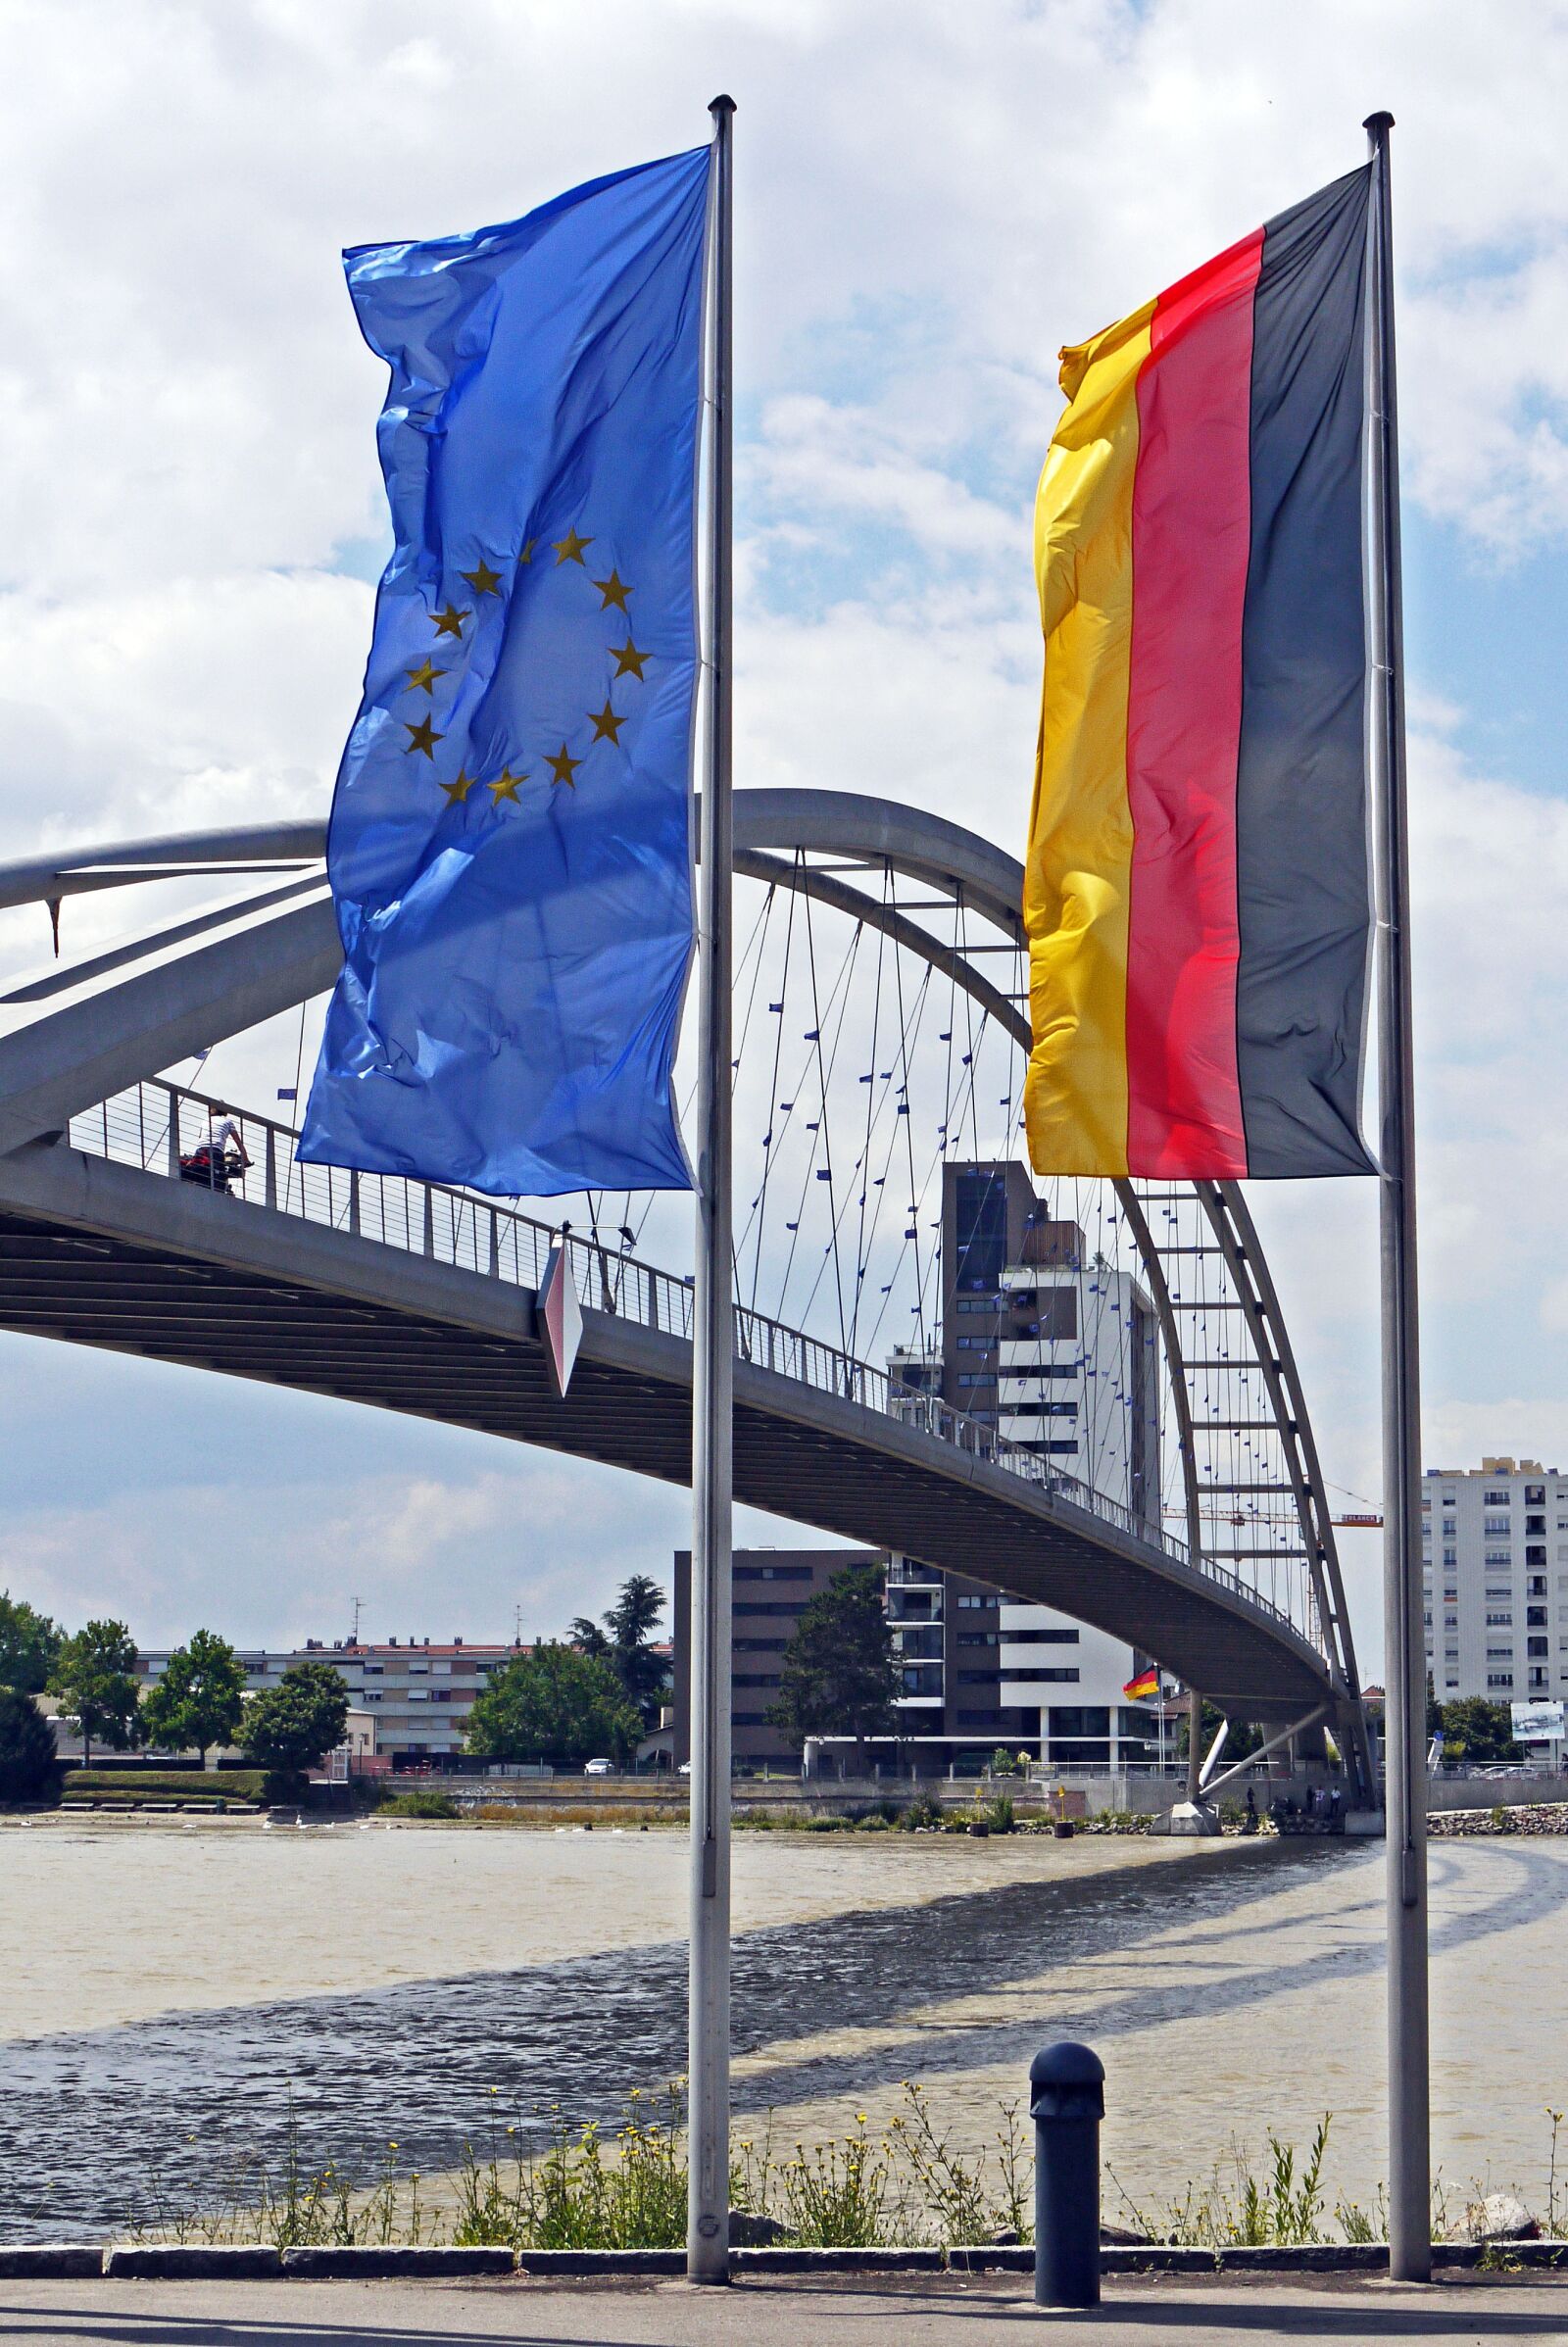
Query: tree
[[199, 1699], [94, 1678], [1243, 1739], [556, 1703], [30, 1767], [839, 1677], [293, 1725], [28, 1644], [1479, 1734], [626, 1644]]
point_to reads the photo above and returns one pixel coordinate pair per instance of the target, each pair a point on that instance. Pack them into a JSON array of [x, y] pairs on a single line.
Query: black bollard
[[1067, 2102]]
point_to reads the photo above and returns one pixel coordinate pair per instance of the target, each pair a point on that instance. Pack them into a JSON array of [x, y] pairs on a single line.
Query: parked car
[[597, 1768]]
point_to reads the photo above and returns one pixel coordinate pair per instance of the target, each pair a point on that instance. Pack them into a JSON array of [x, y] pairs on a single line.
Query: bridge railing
[[164, 1128]]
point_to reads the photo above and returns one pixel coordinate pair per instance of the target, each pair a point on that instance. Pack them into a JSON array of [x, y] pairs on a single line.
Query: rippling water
[[149, 2023]]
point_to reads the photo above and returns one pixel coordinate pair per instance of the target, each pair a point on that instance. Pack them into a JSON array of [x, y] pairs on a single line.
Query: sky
[[929, 201]]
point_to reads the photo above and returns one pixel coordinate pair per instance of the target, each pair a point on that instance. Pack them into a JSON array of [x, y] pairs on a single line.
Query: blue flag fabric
[[509, 850]]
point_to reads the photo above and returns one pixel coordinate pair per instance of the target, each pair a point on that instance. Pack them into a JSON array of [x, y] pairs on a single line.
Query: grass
[[903, 2184], [168, 1784], [418, 1804]]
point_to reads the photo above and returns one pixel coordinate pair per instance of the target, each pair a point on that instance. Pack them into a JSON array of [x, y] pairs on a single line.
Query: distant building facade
[[1056, 1349], [416, 1696], [771, 1590], [976, 1670], [1495, 1581]]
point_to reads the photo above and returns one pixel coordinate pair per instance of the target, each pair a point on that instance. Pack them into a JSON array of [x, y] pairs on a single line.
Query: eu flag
[[509, 847]]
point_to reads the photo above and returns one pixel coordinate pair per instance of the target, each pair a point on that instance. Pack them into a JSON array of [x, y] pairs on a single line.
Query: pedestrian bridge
[[411, 1297]]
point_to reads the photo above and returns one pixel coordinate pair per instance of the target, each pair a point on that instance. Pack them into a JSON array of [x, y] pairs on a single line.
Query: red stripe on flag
[[1191, 519]]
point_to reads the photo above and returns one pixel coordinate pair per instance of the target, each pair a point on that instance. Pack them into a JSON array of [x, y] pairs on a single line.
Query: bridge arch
[[71, 1037]]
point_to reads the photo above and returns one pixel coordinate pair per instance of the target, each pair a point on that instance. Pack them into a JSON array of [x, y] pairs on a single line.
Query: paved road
[[946, 2313]]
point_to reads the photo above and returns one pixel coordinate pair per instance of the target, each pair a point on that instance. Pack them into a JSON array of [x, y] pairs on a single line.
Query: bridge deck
[[102, 1253]]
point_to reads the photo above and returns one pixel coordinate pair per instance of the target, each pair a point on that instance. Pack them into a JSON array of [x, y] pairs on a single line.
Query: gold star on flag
[[565, 768], [613, 591], [570, 548], [526, 554], [422, 679], [628, 660], [504, 786], [607, 725], [423, 736], [483, 581], [458, 791], [448, 623]]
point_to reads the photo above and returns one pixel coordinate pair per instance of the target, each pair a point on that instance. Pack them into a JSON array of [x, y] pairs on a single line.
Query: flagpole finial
[[1378, 125], [724, 103]]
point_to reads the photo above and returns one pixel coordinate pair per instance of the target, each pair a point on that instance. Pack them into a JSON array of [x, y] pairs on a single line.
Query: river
[[168, 1995]]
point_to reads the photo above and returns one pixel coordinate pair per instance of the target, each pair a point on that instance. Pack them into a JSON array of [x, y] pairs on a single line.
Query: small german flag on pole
[[1145, 1687]]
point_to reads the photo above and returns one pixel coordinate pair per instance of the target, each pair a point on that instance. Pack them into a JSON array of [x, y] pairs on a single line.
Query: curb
[[61, 2259], [171, 2260], [206, 2261], [604, 2261], [378, 2262], [778, 2260]]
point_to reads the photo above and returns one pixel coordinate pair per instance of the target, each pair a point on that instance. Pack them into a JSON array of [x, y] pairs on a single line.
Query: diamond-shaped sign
[[560, 1318]]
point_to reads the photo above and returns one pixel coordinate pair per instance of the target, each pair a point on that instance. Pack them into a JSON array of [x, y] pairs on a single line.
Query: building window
[[1497, 1498], [1537, 1647], [978, 1637], [772, 1572], [1450, 1556], [967, 1603], [1500, 1621], [1040, 1637], [1500, 1679], [755, 1679], [1074, 1718]]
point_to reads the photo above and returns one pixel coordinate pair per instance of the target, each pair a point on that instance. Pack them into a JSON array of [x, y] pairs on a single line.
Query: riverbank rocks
[[1497, 2218], [1537, 1817]]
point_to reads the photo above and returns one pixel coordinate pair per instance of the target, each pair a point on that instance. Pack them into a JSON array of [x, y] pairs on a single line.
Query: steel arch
[[71, 1037]]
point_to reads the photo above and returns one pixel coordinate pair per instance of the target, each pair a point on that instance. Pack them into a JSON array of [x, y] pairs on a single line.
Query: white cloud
[[930, 200]]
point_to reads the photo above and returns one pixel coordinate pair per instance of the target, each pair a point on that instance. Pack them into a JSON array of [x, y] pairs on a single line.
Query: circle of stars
[[449, 621]]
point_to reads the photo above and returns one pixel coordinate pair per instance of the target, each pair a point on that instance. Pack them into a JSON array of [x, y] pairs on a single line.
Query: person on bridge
[[221, 1157]]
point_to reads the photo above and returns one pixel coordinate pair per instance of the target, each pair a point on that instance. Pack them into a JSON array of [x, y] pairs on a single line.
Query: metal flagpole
[[1404, 1713], [712, 1341]]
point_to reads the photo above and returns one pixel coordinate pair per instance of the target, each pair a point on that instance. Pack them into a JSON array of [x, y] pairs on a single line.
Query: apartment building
[[977, 1671], [1056, 1348], [417, 1694], [771, 1590], [1495, 1581]]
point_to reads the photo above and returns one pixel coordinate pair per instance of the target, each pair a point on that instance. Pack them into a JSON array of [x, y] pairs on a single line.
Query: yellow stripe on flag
[[1080, 828]]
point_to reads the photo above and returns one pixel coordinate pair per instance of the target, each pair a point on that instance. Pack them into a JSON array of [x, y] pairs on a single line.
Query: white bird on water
[[267, 1825]]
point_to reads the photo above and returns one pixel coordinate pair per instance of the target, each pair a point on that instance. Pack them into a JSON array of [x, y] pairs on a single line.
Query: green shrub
[[923, 1810], [418, 1804]]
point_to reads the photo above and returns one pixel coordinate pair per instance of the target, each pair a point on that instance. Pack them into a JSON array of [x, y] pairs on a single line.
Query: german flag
[[1145, 1685], [1197, 898]]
